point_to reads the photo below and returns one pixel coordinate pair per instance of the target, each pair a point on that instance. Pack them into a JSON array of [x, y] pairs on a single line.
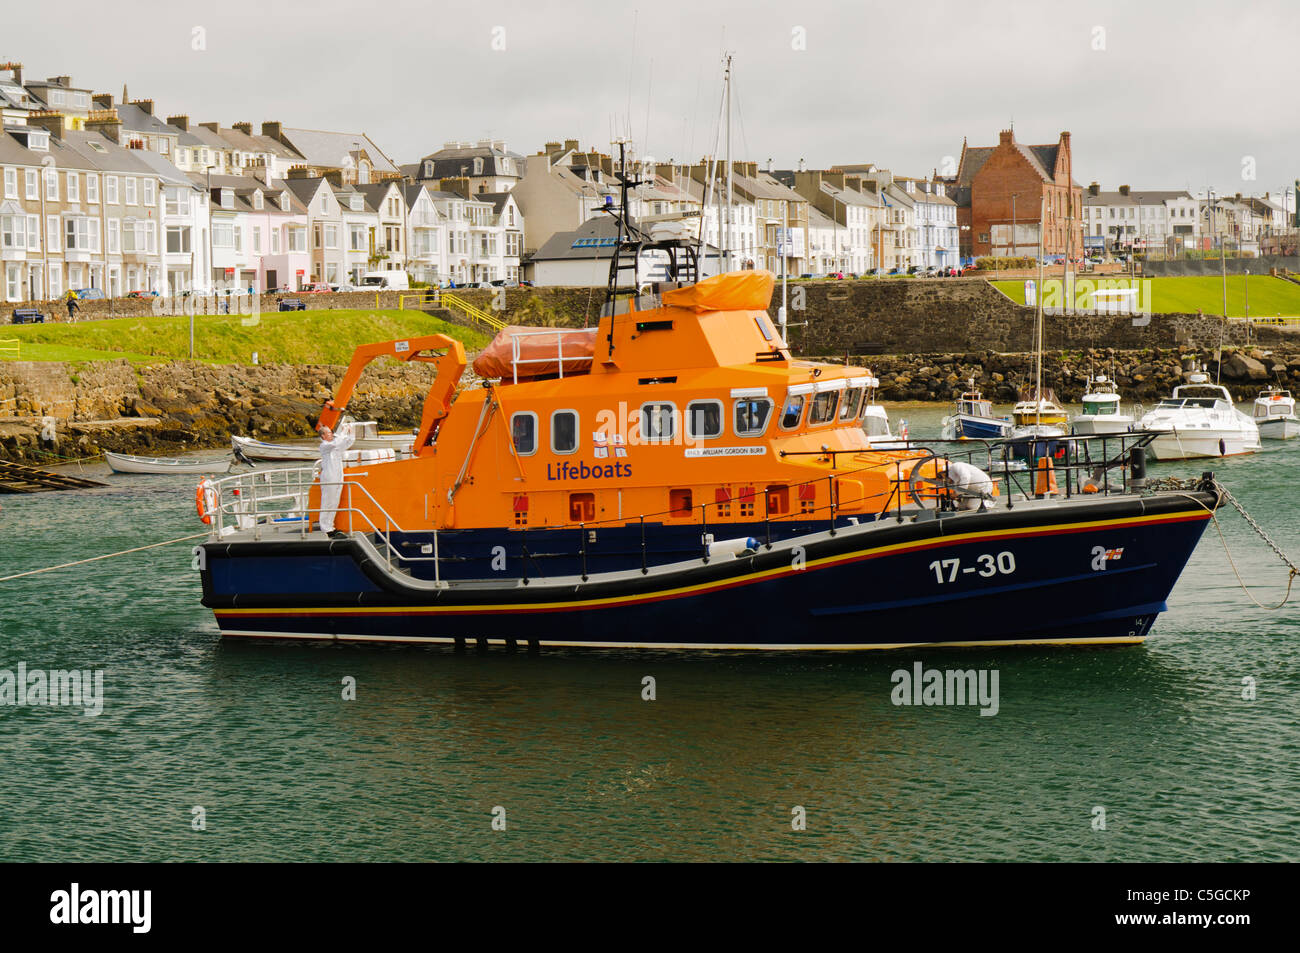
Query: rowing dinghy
[[125, 463]]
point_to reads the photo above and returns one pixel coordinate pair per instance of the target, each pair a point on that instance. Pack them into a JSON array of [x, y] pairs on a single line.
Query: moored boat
[[1199, 420], [676, 478], [126, 463], [973, 418], [1102, 411], [259, 451], [1275, 416]]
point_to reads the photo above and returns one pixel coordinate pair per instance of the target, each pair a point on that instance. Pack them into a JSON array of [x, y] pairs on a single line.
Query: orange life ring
[[205, 500]]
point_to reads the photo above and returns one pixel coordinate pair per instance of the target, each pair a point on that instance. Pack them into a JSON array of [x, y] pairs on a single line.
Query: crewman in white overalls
[[332, 448]]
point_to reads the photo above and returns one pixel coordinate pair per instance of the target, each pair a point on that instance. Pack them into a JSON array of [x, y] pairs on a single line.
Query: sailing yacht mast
[[1038, 321], [726, 241]]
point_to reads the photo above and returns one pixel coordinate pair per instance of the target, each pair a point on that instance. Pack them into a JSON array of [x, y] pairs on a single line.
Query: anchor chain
[[1259, 530]]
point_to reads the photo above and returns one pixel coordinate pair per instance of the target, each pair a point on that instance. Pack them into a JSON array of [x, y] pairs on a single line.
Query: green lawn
[[1268, 296], [292, 337]]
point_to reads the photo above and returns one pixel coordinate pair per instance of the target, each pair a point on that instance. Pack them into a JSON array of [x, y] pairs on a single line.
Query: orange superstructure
[[688, 405]]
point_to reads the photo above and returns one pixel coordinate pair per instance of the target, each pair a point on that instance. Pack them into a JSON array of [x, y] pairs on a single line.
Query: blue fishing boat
[[973, 419]]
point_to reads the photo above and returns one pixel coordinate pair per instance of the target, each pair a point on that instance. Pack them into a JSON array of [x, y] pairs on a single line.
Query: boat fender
[[732, 547], [205, 500]]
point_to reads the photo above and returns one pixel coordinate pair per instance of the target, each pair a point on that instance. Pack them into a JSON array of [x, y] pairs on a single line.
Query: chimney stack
[[1123, 190], [180, 122], [145, 105], [245, 127], [457, 183], [106, 123], [15, 70], [273, 130], [1094, 189], [1006, 137], [102, 100], [51, 122]]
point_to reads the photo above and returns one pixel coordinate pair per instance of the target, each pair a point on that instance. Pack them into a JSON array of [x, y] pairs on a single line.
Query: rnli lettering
[[587, 471]]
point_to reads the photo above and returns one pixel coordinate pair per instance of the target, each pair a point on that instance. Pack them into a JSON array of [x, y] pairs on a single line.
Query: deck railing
[[1079, 466]]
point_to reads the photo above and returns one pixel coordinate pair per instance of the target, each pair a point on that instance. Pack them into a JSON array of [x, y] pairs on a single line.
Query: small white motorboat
[[1199, 420], [1102, 413], [249, 449], [368, 436], [1275, 416], [125, 463]]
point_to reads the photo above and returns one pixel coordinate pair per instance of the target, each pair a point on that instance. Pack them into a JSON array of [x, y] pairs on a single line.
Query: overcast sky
[[1157, 94]]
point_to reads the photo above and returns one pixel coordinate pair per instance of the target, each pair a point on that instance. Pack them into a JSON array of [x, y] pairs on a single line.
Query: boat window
[[658, 421], [823, 408], [704, 419], [793, 411], [751, 416], [582, 507], [1279, 410], [564, 431], [1100, 408], [762, 327], [523, 432], [852, 401]]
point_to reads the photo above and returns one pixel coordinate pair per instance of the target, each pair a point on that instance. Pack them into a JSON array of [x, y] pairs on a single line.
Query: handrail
[[1079, 470], [516, 360], [477, 314]]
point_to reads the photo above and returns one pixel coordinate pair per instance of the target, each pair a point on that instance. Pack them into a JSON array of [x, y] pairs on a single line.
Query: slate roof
[[332, 149]]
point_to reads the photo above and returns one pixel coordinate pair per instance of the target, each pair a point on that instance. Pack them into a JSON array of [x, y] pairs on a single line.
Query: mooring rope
[[78, 562], [1293, 570]]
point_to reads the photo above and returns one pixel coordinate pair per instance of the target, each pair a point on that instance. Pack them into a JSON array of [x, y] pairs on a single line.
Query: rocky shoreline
[[1145, 375], [50, 410]]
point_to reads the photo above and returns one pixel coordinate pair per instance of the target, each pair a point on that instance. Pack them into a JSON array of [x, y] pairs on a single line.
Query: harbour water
[[1158, 736]]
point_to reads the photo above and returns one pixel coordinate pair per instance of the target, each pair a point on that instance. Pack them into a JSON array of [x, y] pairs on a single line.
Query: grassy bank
[[1269, 296], [291, 337]]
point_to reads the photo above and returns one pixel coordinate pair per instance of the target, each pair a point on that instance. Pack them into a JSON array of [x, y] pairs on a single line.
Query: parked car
[[386, 281], [142, 294], [342, 286], [89, 294], [315, 288]]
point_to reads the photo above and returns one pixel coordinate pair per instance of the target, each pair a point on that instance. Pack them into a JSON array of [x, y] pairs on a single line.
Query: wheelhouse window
[[658, 421], [823, 408], [704, 419], [792, 413], [852, 402], [564, 431], [523, 433], [751, 416]]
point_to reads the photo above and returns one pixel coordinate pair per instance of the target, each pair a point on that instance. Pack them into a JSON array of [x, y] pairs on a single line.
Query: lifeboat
[[676, 477]]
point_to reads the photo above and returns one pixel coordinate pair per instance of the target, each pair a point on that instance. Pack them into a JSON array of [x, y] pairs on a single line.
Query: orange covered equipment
[[528, 353], [733, 291]]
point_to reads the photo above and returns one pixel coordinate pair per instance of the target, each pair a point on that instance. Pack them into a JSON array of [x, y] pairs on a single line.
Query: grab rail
[[252, 500]]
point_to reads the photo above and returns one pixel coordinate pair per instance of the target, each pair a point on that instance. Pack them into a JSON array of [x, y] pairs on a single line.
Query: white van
[[386, 280]]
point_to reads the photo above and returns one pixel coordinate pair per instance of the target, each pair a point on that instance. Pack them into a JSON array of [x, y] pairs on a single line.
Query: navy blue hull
[[1095, 571]]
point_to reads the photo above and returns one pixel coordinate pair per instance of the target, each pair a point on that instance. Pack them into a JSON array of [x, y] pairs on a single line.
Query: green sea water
[[1159, 736]]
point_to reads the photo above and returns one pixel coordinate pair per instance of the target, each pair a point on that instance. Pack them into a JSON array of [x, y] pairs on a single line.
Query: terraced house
[[79, 211], [259, 234]]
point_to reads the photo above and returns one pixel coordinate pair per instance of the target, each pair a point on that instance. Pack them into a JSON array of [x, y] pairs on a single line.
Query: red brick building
[[1001, 190]]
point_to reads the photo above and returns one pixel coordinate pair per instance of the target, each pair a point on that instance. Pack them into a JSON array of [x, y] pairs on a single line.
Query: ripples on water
[[258, 735]]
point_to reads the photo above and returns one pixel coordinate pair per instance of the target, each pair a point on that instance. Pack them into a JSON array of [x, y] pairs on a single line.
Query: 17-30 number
[[987, 565]]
